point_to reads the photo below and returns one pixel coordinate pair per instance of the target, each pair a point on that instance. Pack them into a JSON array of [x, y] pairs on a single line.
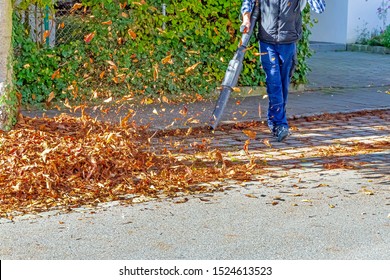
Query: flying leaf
[[165, 99], [129, 115], [88, 38], [246, 146], [46, 34], [191, 68], [51, 97], [56, 74], [199, 97], [112, 65], [251, 134], [132, 34], [142, 2], [266, 142], [75, 7], [167, 60], [66, 104], [155, 72]]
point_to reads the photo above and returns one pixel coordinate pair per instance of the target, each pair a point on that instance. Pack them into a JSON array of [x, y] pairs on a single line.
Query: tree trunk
[[7, 109]]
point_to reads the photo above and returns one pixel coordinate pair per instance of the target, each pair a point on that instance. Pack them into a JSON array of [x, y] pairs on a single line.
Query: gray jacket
[[281, 20]]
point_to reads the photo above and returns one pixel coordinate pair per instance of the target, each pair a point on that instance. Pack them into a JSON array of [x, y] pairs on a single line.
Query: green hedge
[[125, 51]]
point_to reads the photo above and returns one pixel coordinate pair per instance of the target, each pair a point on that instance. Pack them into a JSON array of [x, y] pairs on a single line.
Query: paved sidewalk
[[322, 194]]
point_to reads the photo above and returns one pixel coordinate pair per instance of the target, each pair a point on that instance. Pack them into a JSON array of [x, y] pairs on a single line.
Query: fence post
[[46, 24]]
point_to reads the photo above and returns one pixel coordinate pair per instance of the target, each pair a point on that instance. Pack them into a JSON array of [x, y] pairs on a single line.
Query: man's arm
[[246, 10], [317, 6]]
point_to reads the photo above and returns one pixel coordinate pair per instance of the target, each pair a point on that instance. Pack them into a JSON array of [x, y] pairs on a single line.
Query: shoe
[[281, 132]]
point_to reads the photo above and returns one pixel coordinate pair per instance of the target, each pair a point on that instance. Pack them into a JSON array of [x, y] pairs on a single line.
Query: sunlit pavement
[[324, 193]]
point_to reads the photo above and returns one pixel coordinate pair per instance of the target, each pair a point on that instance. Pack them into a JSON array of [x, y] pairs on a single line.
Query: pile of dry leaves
[[66, 162]]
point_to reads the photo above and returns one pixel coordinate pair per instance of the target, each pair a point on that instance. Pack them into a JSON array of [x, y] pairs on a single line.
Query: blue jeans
[[278, 61]]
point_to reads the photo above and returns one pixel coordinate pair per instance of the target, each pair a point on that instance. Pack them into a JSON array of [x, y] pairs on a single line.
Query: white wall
[[362, 14], [332, 24], [344, 20]]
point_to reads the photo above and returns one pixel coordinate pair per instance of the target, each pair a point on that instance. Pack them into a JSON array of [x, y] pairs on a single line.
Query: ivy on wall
[[131, 48]]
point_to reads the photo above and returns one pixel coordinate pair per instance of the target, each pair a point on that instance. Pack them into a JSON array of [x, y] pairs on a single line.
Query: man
[[280, 27]]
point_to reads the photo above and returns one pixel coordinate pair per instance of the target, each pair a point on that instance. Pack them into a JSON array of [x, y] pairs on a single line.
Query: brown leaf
[[191, 68], [66, 103], [112, 64], [129, 115], [132, 34], [250, 133], [56, 74], [246, 146], [88, 38], [155, 72], [51, 97], [165, 99], [75, 7], [184, 111], [46, 34], [108, 100], [167, 60], [266, 142]]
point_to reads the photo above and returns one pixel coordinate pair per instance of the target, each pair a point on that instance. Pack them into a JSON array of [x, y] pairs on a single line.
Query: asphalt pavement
[[321, 197]]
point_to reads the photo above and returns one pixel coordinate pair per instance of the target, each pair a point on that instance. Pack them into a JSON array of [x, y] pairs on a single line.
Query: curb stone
[[367, 48]]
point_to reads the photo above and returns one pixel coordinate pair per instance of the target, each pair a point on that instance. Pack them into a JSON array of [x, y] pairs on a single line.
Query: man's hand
[[246, 22]]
